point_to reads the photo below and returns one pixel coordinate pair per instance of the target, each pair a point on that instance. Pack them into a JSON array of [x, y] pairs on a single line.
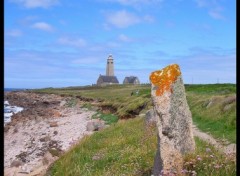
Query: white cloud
[[134, 3], [36, 3], [42, 26], [124, 38], [112, 44], [201, 3], [27, 20], [86, 60], [76, 42], [215, 10], [149, 18], [216, 14], [122, 19], [14, 33]]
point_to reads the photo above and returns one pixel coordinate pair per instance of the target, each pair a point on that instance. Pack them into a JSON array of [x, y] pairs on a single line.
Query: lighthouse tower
[[110, 66]]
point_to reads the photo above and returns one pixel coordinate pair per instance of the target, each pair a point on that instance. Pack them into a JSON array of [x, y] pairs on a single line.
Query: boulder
[[174, 120], [150, 117], [16, 163], [53, 124], [48, 158], [95, 125]]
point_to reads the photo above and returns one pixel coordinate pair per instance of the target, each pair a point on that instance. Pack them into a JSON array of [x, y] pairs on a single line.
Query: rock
[[53, 124], [229, 100], [174, 119], [48, 158], [24, 169], [90, 126], [95, 125], [56, 114], [62, 103], [6, 128], [227, 107], [55, 152], [150, 117], [16, 163], [38, 119], [55, 132], [15, 130], [12, 171], [23, 156], [45, 139]]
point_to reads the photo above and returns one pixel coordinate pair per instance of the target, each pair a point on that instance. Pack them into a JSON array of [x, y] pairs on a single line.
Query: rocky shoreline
[[47, 127]]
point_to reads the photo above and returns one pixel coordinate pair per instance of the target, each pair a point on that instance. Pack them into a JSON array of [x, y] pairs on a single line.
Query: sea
[[9, 110]]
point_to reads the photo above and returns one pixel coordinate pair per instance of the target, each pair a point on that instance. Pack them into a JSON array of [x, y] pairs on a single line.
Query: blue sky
[[60, 43]]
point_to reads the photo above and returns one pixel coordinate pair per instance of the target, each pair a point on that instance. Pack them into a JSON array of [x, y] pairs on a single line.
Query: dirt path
[[227, 149]]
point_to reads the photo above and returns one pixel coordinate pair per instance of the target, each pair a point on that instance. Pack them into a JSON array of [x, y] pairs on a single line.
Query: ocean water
[[9, 111], [13, 89]]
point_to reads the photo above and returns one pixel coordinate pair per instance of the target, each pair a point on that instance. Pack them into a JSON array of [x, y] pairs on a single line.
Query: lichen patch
[[164, 78]]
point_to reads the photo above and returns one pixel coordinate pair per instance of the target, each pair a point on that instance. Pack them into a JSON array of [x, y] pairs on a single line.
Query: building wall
[[110, 66], [125, 81], [136, 81], [99, 81]]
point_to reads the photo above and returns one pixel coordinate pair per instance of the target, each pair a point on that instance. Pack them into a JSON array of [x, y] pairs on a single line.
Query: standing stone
[[174, 120], [150, 117]]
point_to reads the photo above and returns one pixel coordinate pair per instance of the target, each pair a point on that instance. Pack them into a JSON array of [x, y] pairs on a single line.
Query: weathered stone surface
[[16, 163], [174, 120], [150, 117], [95, 125], [53, 124]]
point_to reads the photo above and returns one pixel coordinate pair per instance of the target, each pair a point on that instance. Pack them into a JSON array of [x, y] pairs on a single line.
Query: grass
[[213, 109], [128, 148], [115, 96], [125, 148], [219, 118], [208, 161], [108, 118], [72, 102], [211, 89]]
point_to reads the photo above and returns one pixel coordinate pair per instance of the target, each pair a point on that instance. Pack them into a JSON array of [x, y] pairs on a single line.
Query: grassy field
[[128, 148], [213, 106], [213, 109], [116, 97]]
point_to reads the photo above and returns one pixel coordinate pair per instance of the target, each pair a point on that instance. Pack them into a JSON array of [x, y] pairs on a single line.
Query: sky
[[61, 43]]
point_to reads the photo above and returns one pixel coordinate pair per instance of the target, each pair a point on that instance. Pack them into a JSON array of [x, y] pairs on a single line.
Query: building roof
[[130, 79], [109, 79]]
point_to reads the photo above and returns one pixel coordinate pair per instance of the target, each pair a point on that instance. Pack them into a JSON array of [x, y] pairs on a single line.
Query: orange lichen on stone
[[164, 78]]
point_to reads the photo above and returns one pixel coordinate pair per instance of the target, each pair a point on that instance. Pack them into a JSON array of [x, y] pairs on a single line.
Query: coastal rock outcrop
[[174, 120], [38, 135]]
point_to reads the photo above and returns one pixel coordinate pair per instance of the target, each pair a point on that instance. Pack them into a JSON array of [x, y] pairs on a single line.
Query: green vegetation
[[128, 148], [206, 160], [211, 108], [72, 102], [87, 105], [211, 89], [117, 97], [108, 118]]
